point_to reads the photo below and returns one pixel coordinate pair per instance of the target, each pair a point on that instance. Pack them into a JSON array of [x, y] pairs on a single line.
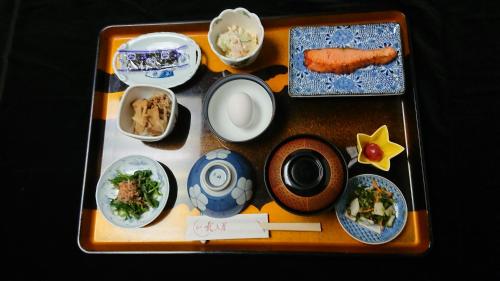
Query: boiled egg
[[240, 109]]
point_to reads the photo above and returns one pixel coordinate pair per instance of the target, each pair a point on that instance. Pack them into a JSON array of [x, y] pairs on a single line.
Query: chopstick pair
[[315, 226]]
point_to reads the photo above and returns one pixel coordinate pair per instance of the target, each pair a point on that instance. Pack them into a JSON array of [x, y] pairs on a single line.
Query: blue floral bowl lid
[[220, 183]]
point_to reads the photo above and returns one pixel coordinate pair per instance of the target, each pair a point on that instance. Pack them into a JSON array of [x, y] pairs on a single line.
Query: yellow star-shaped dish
[[381, 138]]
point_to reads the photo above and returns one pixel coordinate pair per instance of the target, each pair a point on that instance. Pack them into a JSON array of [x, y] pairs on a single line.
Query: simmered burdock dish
[[151, 115], [147, 113]]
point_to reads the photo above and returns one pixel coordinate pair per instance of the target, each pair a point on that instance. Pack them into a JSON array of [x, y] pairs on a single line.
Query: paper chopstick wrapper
[[202, 228]]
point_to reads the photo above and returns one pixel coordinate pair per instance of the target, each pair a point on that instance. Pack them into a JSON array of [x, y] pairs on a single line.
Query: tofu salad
[[372, 207]]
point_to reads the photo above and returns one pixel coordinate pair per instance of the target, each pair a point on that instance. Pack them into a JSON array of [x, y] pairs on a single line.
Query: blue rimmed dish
[[373, 80], [105, 191], [362, 233]]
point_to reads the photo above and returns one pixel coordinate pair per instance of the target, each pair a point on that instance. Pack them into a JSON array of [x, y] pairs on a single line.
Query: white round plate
[[156, 41], [106, 191]]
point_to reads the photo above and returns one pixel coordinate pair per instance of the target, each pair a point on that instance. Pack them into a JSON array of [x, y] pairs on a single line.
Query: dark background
[[46, 72]]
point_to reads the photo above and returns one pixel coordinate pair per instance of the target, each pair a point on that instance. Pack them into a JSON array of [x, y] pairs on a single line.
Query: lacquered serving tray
[[336, 119]]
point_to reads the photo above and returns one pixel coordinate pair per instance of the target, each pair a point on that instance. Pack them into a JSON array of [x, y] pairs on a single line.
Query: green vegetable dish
[[136, 194], [372, 207]]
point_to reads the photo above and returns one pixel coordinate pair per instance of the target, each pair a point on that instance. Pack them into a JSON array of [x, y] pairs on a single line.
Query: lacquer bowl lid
[[305, 174]]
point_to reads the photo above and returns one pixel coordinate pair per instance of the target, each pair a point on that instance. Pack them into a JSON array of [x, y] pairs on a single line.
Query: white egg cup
[[217, 107]]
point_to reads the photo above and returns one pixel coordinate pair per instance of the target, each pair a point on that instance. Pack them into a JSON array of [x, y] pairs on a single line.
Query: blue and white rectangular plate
[[373, 80]]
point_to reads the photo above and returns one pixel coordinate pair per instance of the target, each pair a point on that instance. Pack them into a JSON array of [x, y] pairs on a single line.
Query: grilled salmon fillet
[[346, 60]]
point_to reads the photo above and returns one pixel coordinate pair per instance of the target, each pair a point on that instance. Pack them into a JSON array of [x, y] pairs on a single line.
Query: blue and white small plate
[[106, 191], [373, 80], [361, 233]]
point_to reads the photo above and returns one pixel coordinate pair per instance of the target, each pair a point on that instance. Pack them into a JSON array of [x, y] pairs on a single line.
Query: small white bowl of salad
[[236, 37]]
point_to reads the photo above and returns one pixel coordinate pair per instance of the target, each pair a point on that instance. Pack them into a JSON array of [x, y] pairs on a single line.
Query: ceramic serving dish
[[220, 183], [236, 17], [239, 107], [105, 190], [126, 111], [381, 138], [375, 80], [163, 59], [305, 174], [361, 233]]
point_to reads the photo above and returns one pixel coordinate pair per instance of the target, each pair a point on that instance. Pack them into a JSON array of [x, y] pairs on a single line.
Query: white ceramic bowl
[[217, 101], [125, 113], [240, 17]]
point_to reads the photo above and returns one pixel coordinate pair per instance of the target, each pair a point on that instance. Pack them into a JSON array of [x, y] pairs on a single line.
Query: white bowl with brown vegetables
[[147, 113]]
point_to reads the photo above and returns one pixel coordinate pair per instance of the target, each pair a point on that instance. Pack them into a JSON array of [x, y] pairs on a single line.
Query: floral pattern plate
[[361, 233], [373, 80], [106, 191]]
